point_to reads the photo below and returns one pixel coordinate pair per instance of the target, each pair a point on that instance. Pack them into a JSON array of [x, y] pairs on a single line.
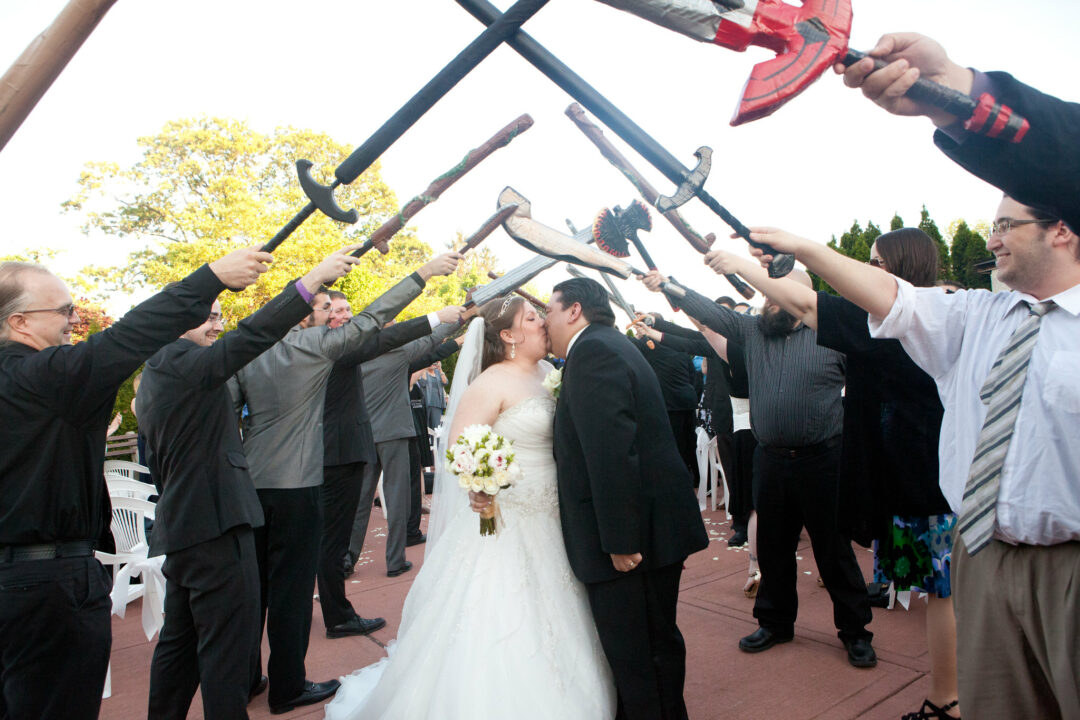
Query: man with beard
[[796, 413]]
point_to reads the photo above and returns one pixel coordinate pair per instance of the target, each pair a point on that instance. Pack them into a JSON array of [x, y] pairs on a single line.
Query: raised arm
[[726, 322], [871, 288], [794, 297]]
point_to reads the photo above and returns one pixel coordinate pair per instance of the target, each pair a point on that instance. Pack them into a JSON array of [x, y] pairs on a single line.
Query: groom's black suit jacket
[[623, 488]]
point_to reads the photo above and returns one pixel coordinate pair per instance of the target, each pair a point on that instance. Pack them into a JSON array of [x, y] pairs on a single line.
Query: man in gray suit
[[386, 393], [284, 389]]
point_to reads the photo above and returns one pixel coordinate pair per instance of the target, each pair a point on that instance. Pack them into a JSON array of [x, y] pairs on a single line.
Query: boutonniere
[[553, 383]]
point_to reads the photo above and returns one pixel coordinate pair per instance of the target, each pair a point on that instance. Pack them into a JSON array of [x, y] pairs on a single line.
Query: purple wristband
[[304, 292]]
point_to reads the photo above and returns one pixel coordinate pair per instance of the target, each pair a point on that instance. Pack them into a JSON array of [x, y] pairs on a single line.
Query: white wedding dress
[[494, 627]]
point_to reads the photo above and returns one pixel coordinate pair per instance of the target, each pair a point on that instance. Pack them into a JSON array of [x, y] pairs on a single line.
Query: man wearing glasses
[[55, 403], [208, 509]]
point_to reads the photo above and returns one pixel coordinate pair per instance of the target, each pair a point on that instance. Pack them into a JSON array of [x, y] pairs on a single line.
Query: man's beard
[[777, 323]]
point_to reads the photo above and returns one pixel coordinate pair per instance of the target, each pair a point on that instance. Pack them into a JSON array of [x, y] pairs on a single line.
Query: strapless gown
[[494, 627]]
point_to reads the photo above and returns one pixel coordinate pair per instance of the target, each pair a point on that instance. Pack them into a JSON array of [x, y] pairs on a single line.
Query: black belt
[[47, 551], [804, 450]]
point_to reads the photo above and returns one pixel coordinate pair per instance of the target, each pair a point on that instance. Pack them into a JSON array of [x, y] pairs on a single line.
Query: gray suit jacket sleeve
[[333, 344]]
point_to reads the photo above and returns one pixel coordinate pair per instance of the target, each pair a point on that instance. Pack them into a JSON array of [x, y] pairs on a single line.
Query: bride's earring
[[513, 350]]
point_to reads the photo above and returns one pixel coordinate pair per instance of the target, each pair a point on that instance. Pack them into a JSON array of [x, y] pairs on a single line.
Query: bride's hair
[[498, 315]]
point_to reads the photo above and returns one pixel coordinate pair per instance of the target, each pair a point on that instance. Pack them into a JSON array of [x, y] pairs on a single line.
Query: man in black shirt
[[56, 400], [796, 413]]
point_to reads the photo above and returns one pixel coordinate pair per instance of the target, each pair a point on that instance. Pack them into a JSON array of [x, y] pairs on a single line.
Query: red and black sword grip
[[1012, 126]]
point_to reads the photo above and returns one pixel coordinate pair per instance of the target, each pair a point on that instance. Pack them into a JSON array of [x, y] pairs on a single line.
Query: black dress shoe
[[860, 653], [762, 639], [400, 571], [313, 693], [258, 688], [415, 540], [355, 626], [348, 565], [739, 539]]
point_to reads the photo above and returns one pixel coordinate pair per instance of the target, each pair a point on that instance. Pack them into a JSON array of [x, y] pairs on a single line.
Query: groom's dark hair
[[594, 300]]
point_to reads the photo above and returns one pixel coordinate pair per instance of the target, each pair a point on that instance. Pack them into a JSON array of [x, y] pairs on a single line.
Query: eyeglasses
[[1005, 224], [876, 262], [216, 317], [67, 311]]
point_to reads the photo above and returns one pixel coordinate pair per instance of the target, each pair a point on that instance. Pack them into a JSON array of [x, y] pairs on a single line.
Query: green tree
[[209, 185], [968, 247], [896, 223], [930, 227]]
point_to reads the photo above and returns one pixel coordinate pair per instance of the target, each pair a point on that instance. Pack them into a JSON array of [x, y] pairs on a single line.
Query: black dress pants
[[790, 493], [55, 638], [682, 425], [416, 489], [287, 546], [211, 632], [741, 478], [635, 619], [340, 496]]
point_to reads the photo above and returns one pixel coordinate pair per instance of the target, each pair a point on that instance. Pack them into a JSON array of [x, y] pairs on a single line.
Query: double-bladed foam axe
[[559, 73], [807, 39], [322, 196], [547, 241], [619, 161]]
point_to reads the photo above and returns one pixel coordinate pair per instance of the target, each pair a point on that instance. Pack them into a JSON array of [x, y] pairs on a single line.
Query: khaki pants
[[1018, 630]]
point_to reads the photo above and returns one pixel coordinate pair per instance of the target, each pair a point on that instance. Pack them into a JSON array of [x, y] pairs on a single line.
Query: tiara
[[506, 304]]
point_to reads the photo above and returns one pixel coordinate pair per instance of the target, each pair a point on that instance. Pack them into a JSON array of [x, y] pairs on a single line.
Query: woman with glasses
[[889, 462]]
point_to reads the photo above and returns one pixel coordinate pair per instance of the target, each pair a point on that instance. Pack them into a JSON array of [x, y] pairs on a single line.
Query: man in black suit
[[208, 507], [629, 517], [348, 446], [55, 403]]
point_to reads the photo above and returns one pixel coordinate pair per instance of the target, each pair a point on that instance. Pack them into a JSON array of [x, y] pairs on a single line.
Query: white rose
[[474, 434], [502, 478], [465, 481], [476, 484], [491, 487], [552, 381]]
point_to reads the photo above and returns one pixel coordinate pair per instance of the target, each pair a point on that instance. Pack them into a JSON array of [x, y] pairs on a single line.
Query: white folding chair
[[718, 478], [123, 486], [702, 454], [126, 468], [132, 559]]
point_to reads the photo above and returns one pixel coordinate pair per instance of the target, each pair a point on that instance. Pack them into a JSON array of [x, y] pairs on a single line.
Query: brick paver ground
[[807, 678]]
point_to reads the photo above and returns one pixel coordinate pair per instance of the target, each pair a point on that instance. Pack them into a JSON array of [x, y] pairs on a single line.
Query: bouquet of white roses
[[483, 461]]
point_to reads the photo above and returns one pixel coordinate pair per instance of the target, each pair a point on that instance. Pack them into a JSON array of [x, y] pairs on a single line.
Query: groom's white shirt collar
[[574, 339]]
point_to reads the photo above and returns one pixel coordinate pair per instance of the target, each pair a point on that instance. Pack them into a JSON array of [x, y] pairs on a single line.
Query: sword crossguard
[[322, 196], [691, 186]]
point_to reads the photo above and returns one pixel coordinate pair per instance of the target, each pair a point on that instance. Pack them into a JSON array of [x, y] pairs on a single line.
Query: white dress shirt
[[955, 339]]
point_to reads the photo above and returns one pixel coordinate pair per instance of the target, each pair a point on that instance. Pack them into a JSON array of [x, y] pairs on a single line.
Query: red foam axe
[[807, 40]]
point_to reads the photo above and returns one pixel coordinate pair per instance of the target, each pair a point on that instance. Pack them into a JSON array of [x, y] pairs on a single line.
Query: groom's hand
[[625, 563], [479, 501]]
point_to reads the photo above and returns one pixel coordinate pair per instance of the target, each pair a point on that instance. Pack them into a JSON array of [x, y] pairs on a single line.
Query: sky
[[828, 158]]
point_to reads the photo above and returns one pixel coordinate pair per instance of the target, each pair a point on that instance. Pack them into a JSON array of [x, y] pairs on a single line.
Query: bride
[[497, 626]]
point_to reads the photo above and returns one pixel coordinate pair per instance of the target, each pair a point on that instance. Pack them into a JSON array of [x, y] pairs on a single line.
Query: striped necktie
[[1001, 393]]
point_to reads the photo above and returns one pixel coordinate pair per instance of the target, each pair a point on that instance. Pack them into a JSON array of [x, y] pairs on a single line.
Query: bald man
[[796, 413]]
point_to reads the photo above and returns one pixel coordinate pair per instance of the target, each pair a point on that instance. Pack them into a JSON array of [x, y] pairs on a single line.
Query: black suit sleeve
[[77, 380], [388, 338], [210, 367], [1040, 170], [602, 412], [690, 346], [436, 354]]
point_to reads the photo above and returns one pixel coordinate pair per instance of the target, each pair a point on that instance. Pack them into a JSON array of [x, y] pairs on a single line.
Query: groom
[[629, 516]]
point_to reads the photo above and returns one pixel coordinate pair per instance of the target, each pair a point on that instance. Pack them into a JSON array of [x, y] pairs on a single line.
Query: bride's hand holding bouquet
[[483, 462]]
